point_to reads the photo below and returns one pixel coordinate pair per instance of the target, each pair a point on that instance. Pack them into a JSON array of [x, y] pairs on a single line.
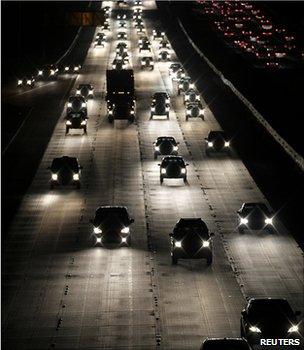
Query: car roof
[[217, 133], [179, 158], [165, 138], [72, 162]]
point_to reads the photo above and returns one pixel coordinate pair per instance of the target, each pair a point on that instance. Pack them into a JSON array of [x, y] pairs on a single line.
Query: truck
[[120, 94]]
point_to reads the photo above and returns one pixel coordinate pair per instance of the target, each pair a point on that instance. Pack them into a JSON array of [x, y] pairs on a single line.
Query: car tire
[[242, 331], [185, 180], [167, 115], [129, 241], [174, 260], [151, 116], [178, 92], [187, 118], [209, 260], [85, 130], [132, 119], [67, 130], [155, 156], [161, 180]]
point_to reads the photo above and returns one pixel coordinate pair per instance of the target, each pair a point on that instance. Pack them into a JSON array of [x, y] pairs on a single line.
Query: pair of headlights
[[245, 221], [175, 148], [292, 329], [84, 122], [178, 244], [226, 144], [75, 177], [124, 230], [164, 171]]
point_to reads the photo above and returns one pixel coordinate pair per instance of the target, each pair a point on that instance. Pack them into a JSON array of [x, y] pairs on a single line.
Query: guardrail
[[296, 157], [70, 47]]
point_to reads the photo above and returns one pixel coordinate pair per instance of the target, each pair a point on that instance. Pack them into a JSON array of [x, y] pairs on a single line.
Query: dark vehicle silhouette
[[76, 120], [111, 224], [65, 171], [160, 104], [270, 319], [173, 167], [194, 110], [255, 216], [217, 141], [85, 90], [147, 62], [77, 104], [165, 145], [164, 55], [191, 239]]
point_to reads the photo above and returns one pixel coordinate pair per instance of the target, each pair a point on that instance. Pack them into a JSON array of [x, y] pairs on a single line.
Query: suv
[[65, 171], [173, 167], [147, 62], [77, 104], [191, 239], [269, 318], [165, 145], [225, 344], [194, 110], [76, 121], [164, 55], [85, 90], [160, 104], [111, 224], [184, 85], [255, 216], [217, 141]]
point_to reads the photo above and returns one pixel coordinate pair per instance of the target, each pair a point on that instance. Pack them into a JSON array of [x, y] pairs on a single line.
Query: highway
[[60, 291]]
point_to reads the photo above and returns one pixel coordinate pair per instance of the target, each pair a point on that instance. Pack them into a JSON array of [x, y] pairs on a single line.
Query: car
[[194, 110], [76, 120], [184, 85], [65, 171], [106, 26], [180, 74], [100, 35], [77, 104], [140, 30], [160, 104], [138, 22], [164, 55], [157, 34], [217, 141], [173, 69], [48, 71], [85, 90], [143, 40], [269, 318], [122, 110], [121, 47], [145, 47], [137, 10], [26, 82], [119, 63], [225, 344], [165, 145], [122, 24], [122, 36], [164, 44], [99, 42], [147, 62], [191, 239], [123, 56], [255, 216], [191, 96], [111, 224], [173, 167]]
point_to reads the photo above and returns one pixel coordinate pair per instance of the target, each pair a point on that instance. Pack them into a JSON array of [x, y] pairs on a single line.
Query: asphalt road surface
[[60, 291]]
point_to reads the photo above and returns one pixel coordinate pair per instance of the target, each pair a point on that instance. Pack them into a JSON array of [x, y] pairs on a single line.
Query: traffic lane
[[185, 309], [228, 184]]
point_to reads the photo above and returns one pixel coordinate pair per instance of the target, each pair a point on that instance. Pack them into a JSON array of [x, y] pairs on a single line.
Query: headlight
[[206, 244], [156, 148], [293, 329], [201, 111], [180, 86], [153, 109], [83, 104], [77, 92], [114, 66], [183, 171], [178, 244], [76, 68], [210, 144], [187, 98], [123, 66], [254, 329], [143, 62], [83, 122], [191, 86], [40, 72], [69, 104], [54, 177], [29, 82], [125, 230], [68, 122], [75, 176], [110, 112], [132, 112], [268, 221], [98, 239], [97, 230], [52, 72], [227, 144], [244, 221], [66, 68], [19, 82], [167, 109], [123, 239], [175, 148], [163, 170], [197, 98], [90, 92]]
